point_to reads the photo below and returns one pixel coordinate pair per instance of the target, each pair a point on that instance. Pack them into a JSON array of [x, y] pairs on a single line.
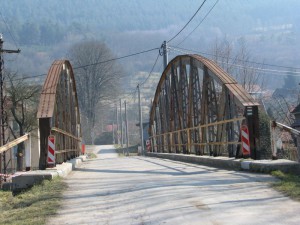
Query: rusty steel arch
[[58, 113], [198, 108]]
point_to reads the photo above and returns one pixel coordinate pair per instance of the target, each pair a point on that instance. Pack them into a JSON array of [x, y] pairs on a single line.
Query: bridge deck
[[139, 190]]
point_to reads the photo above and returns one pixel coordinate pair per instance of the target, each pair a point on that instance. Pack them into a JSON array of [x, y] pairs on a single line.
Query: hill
[[44, 30]]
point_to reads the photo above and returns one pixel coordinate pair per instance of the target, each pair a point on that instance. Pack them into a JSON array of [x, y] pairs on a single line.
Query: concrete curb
[[262, 166], [25, 180]]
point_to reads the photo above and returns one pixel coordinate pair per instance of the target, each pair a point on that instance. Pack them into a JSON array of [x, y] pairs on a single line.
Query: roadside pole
[[141, 123], [121, 122], [165, 53], [126, 129], [2, 111]]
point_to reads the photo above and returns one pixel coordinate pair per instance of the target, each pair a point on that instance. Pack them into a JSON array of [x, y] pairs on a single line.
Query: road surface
[[141, 190]]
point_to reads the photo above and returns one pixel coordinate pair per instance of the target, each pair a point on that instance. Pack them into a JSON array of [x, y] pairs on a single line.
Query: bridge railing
[[285, 142], [67, 146], [8, 147], [169, 142]]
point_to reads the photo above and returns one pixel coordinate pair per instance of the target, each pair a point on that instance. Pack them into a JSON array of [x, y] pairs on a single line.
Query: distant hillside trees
[[97, 80]]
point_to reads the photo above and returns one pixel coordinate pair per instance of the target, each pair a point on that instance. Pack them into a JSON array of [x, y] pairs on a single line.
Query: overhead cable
[[279, 72], [7, 27], [199, 23], [189, 51], [141, 84], [117, 58], [92, 64], [187, 22]]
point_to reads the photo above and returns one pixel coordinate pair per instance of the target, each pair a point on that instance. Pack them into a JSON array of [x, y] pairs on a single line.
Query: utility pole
[[141, 121], [113, 132], [126, 130], [118, 126], [2, 99], [165, 53], [121, 121]]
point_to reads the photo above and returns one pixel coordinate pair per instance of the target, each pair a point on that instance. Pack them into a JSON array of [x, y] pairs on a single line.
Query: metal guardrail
[[285, 142]]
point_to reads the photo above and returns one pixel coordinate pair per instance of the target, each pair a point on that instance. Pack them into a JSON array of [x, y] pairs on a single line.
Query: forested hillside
[[51, 21], [44, 30]]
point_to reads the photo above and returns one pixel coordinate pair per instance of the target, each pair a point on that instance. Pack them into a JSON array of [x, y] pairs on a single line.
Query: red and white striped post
[[51, 151], [245, 140]]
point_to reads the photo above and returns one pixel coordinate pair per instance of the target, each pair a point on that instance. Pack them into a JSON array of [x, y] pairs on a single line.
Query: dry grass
[[32, 206], [91, 155], [289, 184]]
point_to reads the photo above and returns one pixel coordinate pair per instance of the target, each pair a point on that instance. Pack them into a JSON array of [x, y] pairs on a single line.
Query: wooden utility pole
[[2, 111], [121, 121], [118, 126], [165, 53], [126, 129], [113, 132], [141, 121]]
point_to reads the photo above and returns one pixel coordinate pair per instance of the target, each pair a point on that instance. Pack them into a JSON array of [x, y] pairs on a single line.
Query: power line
[[30, 77], [199, 23], [7, 27], [188, 21], [141, 84], [118, 58], [133, 91], [92, 64], [188, 51], [279, 72]]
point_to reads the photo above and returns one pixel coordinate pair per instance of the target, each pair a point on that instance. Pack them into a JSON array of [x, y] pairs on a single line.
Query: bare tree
[[97, 80], [236, 60], [22, 99], [223, 54]]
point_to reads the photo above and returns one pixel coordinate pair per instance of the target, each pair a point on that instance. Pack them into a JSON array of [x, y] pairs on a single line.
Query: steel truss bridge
[[58, 114], [198, 108]]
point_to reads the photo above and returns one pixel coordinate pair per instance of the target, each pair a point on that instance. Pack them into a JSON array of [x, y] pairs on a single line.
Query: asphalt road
[[140, 190]]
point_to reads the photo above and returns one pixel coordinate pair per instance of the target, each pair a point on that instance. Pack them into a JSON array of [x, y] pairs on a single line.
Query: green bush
[[265, 150]]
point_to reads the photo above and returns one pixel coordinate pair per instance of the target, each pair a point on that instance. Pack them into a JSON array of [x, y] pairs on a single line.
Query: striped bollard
[[51, 151], [245, 140]]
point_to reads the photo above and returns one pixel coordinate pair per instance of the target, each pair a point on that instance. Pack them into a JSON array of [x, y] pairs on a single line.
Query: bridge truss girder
[[58, 114], [198, 108]]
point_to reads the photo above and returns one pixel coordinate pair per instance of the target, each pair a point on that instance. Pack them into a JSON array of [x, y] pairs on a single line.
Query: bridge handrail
[[55, 129], [13, 143], [201, 126], [188, 130], [285, 127]]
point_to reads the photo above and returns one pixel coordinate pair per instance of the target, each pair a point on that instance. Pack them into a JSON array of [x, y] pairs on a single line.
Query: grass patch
[[130, 154], [32, 206], [289, 184], [116, 146], [91, 155]]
